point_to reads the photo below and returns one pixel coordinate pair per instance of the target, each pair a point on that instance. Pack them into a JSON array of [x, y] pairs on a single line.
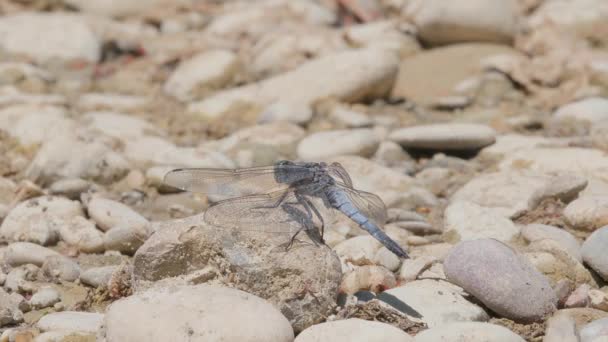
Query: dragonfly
[[287, 197]]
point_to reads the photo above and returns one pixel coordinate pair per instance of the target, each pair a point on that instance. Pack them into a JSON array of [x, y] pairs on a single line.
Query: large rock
[[501, 279], [353, 75], [353, 330], [39, 219], [435, 302], [444, 22], [195, 313], [46, 36], [302, 282], [469, 332]]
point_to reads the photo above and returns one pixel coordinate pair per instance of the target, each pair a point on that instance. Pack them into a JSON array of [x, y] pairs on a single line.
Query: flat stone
[[436, 302], [362, 142], [509, 143], [108, 214], [500, 278], [561, 328], [589, 111], [451, 136], [594, 251], [86, 322], [469, 332], [207, 312], [468, 221], [353, 330], [97, 276]]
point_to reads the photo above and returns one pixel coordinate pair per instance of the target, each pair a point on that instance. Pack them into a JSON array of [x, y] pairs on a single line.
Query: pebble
[[361, 73], [591, 331], [38, 219], [548, 257], [70, 187], [353, 330], [599, 136], [82, 234], [101, 7], [469, 332], [598, 299], [117, 125], [92, 157], [64, 336], [587, 212], [561, 328], [108, 214], [44, 298], [501, 279], [515, 192], [362, 142], [589, 111], [44, 36], [123, 239], [201, 74], [445, 137], [19, 278], [163, 313], [367, 278], [110, 101], [536, 232], [285, 111], [35, 123], [412, 268], [85, 322], [10, 313], [579, 298], [349, 117], [594, 252], [509, 143], [21, 253], [435, 302], [61, 268], [97, 276], [442, 23], [387, 259], [468, 221], [358, 250]]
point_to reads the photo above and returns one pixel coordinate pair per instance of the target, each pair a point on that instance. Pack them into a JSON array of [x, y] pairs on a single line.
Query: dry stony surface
[[482, 127]]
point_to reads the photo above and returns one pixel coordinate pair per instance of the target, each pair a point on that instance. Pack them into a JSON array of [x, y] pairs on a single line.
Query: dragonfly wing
[[369, 204], [229, 183], [276, 212]]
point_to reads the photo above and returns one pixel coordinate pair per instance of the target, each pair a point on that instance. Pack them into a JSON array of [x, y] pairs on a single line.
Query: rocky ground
[[483, 126]]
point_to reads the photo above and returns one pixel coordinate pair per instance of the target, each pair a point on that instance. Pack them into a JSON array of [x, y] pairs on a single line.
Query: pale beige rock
[[353, 330]]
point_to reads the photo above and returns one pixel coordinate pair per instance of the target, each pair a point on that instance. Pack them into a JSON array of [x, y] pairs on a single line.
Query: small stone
[[598, 299], [579, 298], [19, 278], [594, 251], [10, 313], [358, 250], [123, 239], [349, 118], [501, 279], [368, 278], [468, 221], [201, 74], [21, 253], [536, 232], [445, 136], [38, 219], [588, 212], [62, 268], [82, 234], [64, 336], [362, 142], [561, 328], [438, 302], [589, 332], [108, 214], [97, 276], [292, 112], [160, 319], [86, 322], [589, 112], [44, 298], [388, 259], [353, 330], [70, 187], [411, 268], [468, 331]]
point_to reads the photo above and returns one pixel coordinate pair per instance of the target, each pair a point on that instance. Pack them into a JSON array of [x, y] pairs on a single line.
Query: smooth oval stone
[[594, 251], [195, 313], [537, 232], [469, 332], [353, 330], [21, 253], [502, 279], [87, 322], [363, 142], [108, 214], [97, 276], [451, 136], [594, 329]]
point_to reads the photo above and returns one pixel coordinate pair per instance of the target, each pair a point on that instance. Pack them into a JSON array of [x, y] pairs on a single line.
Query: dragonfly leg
[[303, 218], [275, 205], [310, 208]]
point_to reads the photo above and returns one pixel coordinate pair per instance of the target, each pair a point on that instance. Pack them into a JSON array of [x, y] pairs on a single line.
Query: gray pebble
[[503, 280], [20, 253], [61, 268], [594, 251]]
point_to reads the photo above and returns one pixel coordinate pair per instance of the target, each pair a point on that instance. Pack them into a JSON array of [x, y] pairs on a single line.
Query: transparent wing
[[234, 182], [369, 204], [340, 175], [276, 212]]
